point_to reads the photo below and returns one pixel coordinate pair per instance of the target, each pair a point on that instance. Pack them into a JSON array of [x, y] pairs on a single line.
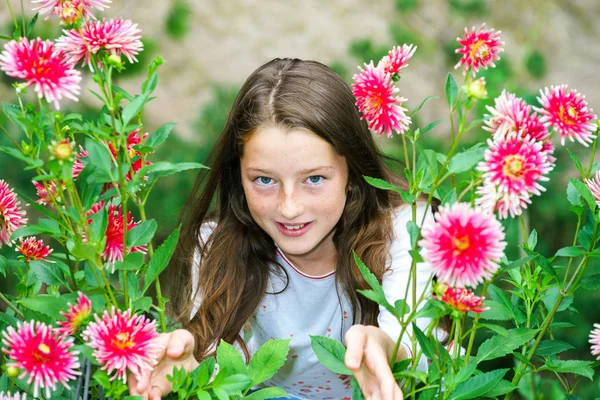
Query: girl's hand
[[368, 356], [178, 351]]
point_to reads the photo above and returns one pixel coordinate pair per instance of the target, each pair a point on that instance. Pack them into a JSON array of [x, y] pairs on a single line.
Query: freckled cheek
[[260, 205]]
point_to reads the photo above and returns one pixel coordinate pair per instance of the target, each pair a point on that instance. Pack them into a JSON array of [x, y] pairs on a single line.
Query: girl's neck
[[320, 261]]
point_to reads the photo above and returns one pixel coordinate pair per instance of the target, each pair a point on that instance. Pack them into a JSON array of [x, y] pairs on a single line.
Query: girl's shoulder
[[206, 230]]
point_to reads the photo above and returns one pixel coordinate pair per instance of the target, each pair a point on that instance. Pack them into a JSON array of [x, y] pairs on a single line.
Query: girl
[[274, 259]]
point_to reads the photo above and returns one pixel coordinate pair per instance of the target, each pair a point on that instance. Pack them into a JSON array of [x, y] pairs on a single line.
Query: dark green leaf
[[499, 346], [591, 282], [575, 161], [49, 273], [584, 192], [330, 353], [160, 135], [431, 126], [46, 304], [141, 234], [424, 342], [577, 367], [451, 91], [381, 184], [552, 347], [478, 385], [161, 258], [132, 109], [501, 388], [100, 157], [570, 251], [31, 24]]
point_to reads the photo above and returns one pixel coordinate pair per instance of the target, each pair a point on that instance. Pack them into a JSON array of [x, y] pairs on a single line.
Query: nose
[[290, 205]]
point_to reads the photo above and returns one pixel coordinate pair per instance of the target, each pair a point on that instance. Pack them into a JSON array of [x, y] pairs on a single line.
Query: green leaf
[[498, 295], [221, 394], [123, 93], [551, 296], [424, 342], [584, 192], [464, 161], [532, 241], [35, 163], [160, 135], [402, 308], [478, 385], [416, 110], [552, 347], [573, 195], [501, 388], [591, 282], [576, 162], [451, 91], [381, 184], [428, 166], [31, 24], [577, 367], [202, 395], [15, 115], [413, 232], [46, 304], [142, 304], [499, 346], [134, 108], [161, 258], [379, 298], [164, 168], [228, 357], [141, 234], [268, 360], [98, 226], [367, 274], [100, 158], [519, 262], [49, 273], [570, 251], [266, 394], [233, 384], [204, 372], [330, 353], [497, 311], [431, 125], [132, 262]]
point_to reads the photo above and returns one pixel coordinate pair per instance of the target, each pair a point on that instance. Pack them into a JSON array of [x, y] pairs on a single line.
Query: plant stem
[[12, 14], [6, 301], [473, 329], [589, 171], [406, 160], [24, 28]]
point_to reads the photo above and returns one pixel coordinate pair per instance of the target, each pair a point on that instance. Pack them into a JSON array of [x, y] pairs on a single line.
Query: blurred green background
[[210, 47]]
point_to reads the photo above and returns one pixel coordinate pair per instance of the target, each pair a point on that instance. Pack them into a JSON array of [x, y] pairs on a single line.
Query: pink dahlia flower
[[77, 316], [14, 396], [123, 342], [11, 215], [463, 300], [594, 185], [397, 58], [77, 164], [479, 49], [567, 113], [491, 200], [33, 249], [65, 9], [113, 250], [42, 354], [136, 157], [46, 192], [376, 98], [38, 63], [516, 167], [114, 37], [463, 245], [595, 341]]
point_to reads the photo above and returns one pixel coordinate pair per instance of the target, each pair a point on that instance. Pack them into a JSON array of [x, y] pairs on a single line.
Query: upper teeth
[[294, 227]]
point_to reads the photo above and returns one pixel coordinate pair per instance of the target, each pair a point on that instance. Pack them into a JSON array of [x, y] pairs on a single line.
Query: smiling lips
[[294, 230]]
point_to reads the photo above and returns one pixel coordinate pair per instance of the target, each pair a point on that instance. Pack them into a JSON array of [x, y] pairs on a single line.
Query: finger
[[378, 366], [181, 342], [155, 393], [143, 381], [356, 339]]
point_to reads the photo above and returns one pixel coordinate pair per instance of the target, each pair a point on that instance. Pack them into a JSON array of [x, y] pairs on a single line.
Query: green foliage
[[178, 19], [536, 64]]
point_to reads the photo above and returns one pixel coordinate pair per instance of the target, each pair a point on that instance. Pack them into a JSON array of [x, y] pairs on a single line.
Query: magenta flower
[[46, 193], [567, 113], [479, 49], [463, 300], [11, 215], [397, 58], [463, 245], [490, 200], [38, 63], [123, 342], [42, 354], [77, 316], [376, 98], [67, 10], [114, 37], [14, 396], [594, 185], [77, 164], [113, 250], [33, 249], [515, 167], [595, 341]]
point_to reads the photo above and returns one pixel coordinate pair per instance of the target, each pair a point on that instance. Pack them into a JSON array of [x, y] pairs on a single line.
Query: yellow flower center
[[43, 347], [123, 341], [570, 117], [460, 244], [513, 166], [480, 50], [63, 150]]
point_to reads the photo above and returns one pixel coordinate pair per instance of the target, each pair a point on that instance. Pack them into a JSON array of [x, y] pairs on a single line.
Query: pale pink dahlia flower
[[41, 353], [491, 200], [11, 215], [77, 316], [61, 8], [463, 245], [38, 63], [14, 396], [567, 113], [594, 185], [463, 300], [515, 167], [114, 37], [397, 58], [595, 341], [479, 49], [122, 342], [33, 249], [376, 98], [113, 250]]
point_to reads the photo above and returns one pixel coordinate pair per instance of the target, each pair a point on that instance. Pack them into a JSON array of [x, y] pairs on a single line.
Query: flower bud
[[115, 61], [476, 89], [12, 372], [62, 150], [440, 288]]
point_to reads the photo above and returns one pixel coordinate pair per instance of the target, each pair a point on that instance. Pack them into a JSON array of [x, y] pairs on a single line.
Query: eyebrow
[[302, 172]]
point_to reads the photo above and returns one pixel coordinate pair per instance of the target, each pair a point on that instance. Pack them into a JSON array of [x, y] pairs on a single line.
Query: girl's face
[[295, 185]]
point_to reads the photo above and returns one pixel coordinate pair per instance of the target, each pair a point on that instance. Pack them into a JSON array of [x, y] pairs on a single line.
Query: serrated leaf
[[100, 159], [134, 108], [496, 311], [46, 304], [330, 353], [161, 258], [466, 160], [501, 388], [552, 347], [233, 384], [141, 233], [577, 367], [268, 360], [160, 135], [228, 357], [591, 282], [499, 346], [584, 192], [49, 273], [478, 385]]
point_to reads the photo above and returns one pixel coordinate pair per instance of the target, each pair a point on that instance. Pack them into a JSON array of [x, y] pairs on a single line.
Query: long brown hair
[[238, 257]]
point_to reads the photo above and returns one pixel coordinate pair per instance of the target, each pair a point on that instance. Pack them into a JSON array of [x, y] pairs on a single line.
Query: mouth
[[295, 229]]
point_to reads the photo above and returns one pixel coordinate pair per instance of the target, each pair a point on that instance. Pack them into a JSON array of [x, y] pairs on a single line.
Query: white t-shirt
[[310, 305]]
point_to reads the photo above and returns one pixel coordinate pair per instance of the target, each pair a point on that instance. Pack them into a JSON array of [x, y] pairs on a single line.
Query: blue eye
[[263, 180], [315, 179]]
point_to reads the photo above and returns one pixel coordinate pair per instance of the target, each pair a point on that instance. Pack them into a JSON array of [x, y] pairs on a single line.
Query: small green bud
[[12, 372], [477, 90]]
